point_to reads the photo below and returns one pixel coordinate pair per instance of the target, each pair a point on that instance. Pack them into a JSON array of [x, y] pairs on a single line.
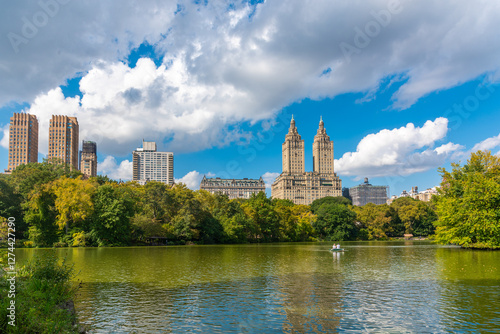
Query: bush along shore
[[38, 298]]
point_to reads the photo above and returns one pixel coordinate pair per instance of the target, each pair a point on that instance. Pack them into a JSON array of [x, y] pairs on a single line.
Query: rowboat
[[336, 250]]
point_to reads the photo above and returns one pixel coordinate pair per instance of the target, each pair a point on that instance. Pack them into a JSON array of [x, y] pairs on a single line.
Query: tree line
[[55, 206]]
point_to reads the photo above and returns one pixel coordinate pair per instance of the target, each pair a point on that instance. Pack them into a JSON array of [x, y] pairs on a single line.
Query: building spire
[[293, 128]]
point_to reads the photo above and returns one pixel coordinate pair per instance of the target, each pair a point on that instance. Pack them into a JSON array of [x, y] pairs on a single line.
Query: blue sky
[[404, 87]]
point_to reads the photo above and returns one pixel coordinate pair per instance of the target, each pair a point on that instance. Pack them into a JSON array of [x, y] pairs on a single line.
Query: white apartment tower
[[150, 165]]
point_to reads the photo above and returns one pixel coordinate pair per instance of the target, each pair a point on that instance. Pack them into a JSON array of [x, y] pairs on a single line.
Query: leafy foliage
[[43, 288], [469, 205], [335, 222], [59, 208]]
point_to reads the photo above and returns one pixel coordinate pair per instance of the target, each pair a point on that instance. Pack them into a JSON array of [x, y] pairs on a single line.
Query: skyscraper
[[23, 140], [304, 187], [88, 158], [293, 151], [63, 140], [322, 151], [150, 165]]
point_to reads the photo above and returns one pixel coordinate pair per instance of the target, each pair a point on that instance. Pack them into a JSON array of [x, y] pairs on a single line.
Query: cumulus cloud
[[396, 152], [224, 63], [487, 144], [46, 42], [5, 138], [192, 180], [269, 178], [115, 171]]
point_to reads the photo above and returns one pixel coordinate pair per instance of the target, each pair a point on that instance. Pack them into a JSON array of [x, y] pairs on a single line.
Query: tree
[[416, 216], [102, 179], [305, 220], [288, 220], [335, 222], [111, 216], [73, 201], [266, 220], [10, 206], [26, 177], [469, 203], [315, 205], [376, 220], [41, 216]]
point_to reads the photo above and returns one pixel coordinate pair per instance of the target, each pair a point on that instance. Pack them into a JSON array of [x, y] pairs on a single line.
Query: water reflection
[[405, 287]]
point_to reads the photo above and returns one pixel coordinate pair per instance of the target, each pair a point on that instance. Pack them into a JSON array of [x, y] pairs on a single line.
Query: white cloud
[[487, 144], [43, 45], [269, 178], [192, 180], [223, 66], [121, 105], [396, 152], [109, 167], [5, 139]]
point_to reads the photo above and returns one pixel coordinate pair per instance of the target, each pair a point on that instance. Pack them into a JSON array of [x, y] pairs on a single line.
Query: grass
[[43, 290]]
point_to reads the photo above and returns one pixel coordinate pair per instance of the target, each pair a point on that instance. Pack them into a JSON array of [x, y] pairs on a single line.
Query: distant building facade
[[302, 187], [63, 140], [233, 188], [425, 195], [88, 158], [151, 165], [23, 140], [367, 193]]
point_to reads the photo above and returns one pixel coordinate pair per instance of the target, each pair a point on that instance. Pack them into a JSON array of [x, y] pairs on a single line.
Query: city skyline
[[217, 83]]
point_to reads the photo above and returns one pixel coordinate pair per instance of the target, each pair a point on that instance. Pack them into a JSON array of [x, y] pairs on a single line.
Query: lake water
[[382, 287]]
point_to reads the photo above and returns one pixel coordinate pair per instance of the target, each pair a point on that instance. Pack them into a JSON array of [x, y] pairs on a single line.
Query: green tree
[[288, 220], [41, 216], [25, 178], [111, 216], [315, 205], [10, 206], [376, 220], [469, 203], [265, 219], [335, 222], [416, 216]]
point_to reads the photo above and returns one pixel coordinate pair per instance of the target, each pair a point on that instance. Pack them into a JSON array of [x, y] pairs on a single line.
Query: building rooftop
[[231, 182]]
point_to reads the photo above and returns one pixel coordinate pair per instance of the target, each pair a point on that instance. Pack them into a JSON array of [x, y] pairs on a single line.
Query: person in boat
[[338, 246]]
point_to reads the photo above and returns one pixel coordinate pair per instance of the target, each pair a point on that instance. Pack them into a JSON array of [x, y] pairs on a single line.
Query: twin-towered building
[[295, 183]]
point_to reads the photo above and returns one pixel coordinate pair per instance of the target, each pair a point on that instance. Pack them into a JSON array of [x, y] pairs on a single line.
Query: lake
[[396, 287]]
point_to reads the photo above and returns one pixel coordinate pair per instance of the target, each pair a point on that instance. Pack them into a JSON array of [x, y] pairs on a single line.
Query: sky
[[403, 86]]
